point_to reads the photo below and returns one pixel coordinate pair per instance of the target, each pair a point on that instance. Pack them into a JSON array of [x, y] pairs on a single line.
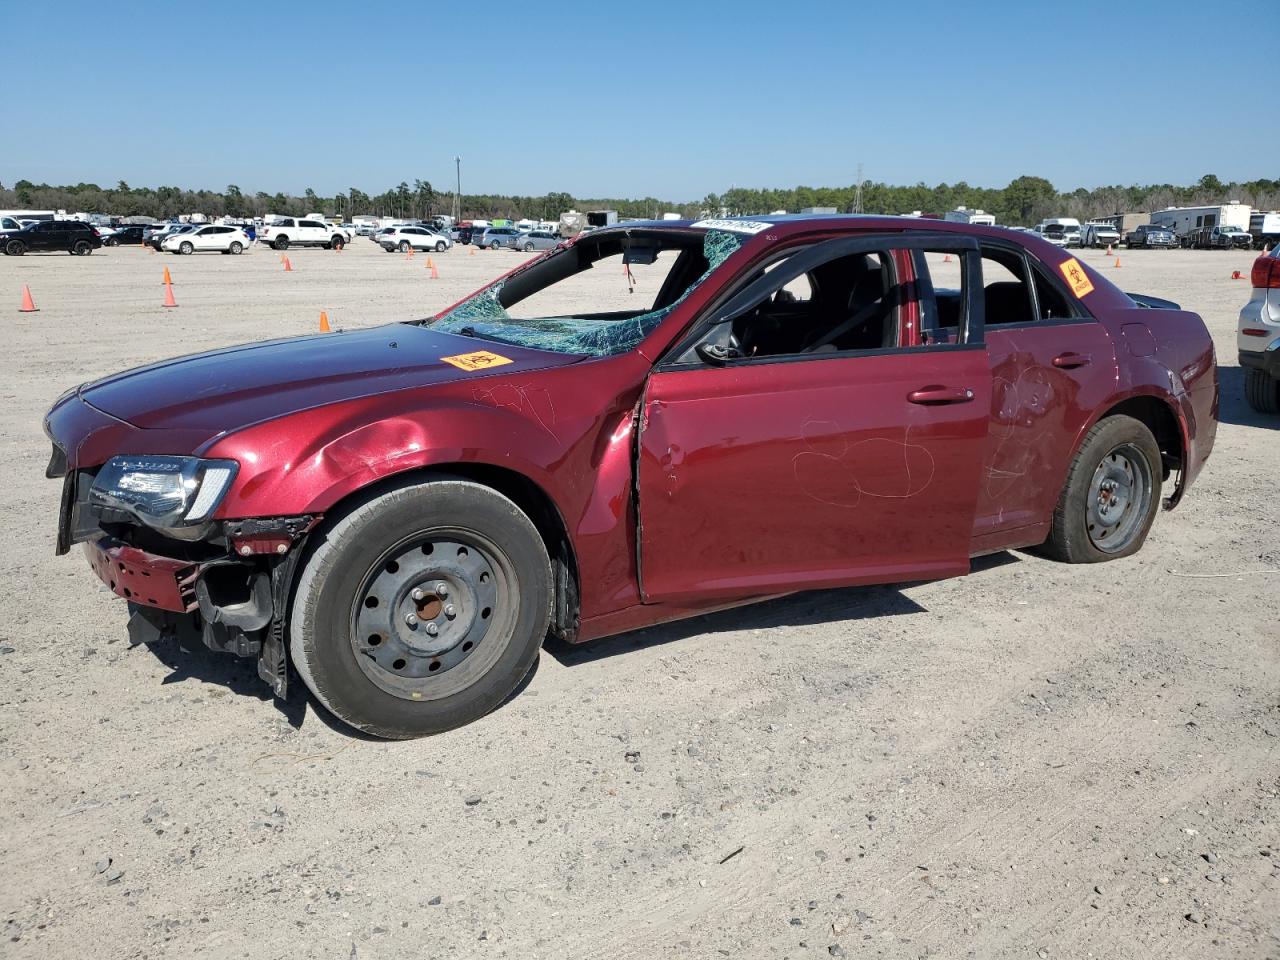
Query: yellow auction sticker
[[480, 360], [1076, 277]]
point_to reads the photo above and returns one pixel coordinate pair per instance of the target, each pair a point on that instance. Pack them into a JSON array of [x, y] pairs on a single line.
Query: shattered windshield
[[654, 270]]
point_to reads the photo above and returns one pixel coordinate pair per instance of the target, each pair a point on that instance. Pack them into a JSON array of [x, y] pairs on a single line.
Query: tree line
[[1023, 202]]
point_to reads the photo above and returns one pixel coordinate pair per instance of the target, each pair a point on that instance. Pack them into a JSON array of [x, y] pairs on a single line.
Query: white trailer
[[979, 217], [1182, 220]]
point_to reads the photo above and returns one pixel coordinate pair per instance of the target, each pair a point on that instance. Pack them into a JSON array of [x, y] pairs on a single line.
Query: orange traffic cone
[[1117, 261], [167, 278], [435, 274], [409, 254], [473, 251], [946, 258], [168, 296], [288, 267], [1108, 249], [1237, 275], [28, 305], [324, 322]]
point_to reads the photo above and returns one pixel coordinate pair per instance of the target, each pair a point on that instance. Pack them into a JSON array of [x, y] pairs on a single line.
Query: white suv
[[214, 237], [284, 232], [1258, 335], [405, 239]]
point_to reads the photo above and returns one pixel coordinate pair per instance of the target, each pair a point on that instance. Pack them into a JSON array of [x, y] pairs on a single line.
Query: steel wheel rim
[[471, 615], [1119, 495]]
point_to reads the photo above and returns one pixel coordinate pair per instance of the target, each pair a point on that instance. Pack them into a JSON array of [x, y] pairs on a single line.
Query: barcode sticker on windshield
[[480, 360], [1080, 283]]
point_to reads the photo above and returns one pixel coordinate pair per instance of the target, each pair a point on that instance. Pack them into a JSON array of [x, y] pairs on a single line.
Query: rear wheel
[[81, 248], [404, 246], [1111, 495], [421, 609], [1261, 392], [281, 243], [336, 243]]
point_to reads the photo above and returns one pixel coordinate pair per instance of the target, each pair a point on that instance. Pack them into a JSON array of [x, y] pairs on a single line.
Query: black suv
[[131, 234], [72, 236]]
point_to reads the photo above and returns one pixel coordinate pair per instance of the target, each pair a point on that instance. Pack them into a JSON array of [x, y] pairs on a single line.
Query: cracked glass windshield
[[599, 297]]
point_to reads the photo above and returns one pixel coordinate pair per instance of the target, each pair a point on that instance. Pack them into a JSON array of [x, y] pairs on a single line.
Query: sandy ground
[[1036, 761]]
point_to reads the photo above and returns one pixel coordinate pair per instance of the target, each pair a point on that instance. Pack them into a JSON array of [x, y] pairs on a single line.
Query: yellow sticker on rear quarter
[[1076, 278], [480, 360]]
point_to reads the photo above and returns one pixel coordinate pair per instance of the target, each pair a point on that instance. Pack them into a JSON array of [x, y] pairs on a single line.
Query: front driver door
[[777, 473]]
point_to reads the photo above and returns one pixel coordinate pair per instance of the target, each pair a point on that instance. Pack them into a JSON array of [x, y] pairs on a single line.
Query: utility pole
[[857, 194], [457, 196]]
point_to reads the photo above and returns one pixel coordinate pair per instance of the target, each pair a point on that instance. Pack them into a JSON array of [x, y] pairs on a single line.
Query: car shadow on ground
[[1232, 406], [239, 675], [798, 609]]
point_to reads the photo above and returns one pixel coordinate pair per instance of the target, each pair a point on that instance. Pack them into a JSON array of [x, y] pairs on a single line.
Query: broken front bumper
[[142, 577]]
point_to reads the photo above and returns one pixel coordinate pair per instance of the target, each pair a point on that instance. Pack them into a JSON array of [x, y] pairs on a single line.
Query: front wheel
[[236, 248], [281, 243], [1111, 495], [1261, 392], [440, 246], [185, 248], [111, 242], [15, 248], [421, 609]]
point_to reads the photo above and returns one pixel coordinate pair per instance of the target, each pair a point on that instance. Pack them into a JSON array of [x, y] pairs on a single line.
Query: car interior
[[848, 303]]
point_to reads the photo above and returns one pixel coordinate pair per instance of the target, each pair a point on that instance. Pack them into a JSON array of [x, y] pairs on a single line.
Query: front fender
[[354, 444]]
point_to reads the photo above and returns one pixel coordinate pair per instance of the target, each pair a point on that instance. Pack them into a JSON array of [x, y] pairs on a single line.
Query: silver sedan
[[530, 240]]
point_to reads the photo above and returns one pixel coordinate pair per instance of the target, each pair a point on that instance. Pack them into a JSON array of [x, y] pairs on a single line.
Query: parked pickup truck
[[1217, 238], [1151, 235], [1099, 235], [284, 232]]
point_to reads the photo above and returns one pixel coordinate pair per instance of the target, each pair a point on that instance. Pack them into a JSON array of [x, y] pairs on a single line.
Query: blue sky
[[673, 100]]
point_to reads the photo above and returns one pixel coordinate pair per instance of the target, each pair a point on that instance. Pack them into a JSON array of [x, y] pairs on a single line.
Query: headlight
[[163, 491]]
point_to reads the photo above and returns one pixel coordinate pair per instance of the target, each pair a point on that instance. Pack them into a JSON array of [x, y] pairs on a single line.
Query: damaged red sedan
[[647, 422]]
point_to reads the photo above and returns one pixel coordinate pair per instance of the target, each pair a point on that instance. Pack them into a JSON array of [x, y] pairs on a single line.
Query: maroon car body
[[667, 481]]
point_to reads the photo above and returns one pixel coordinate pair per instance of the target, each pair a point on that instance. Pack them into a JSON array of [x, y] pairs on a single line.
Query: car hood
[[230, 389]]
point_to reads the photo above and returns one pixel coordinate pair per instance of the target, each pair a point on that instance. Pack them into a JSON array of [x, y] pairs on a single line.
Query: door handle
[[1069, 361], [936, 396]]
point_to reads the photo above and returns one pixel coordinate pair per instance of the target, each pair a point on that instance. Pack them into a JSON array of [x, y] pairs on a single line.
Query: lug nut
[[411, 619], [450, 611], [432, 629], [417, 593], [442, 590]]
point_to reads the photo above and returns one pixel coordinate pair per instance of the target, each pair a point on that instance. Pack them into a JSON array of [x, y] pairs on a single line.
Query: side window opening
[[848, 303], [1053, 303], [1006, 290]]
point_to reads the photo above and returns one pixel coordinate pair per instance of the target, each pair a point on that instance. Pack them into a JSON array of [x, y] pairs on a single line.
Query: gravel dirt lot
[[1036, 761]]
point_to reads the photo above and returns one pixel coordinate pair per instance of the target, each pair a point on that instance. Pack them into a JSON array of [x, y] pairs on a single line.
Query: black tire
[[186, 248], [81, 248], [337, 636], [15, 248], [1261, 392], [281, 243], [1075, 535], [111, 242], [440, 246], [336, 243], [528, 248], [405, 246], [236, 248]]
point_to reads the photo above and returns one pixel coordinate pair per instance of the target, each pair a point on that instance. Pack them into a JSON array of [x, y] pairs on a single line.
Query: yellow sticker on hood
[[480, 360], [1077, 279]]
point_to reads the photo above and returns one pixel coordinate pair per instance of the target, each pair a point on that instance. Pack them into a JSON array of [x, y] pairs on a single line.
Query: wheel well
[[1159, 419], [531, 499]]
